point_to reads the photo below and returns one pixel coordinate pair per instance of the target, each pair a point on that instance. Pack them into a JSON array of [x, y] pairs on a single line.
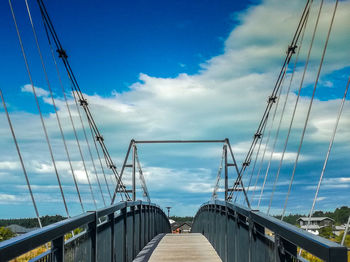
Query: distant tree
[[291, 218], [181, 219], [31, 222], [318, 214], [327, 232], [341, 215], [6, 233]]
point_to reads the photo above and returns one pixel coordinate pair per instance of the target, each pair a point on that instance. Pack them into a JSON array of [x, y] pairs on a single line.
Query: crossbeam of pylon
[[229, 152]]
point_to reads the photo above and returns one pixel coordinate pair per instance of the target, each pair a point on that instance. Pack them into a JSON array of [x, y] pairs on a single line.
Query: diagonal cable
[[142, 178], [256, 157], [261, 137], [298, 95], [20, 156], [218, 176], [99, 159], [269, 134], [39, 110], [64, 57], [328, 153], [290, 52], [88, 146], [263, 155], [284, 107], [310, 107], [54, 105]]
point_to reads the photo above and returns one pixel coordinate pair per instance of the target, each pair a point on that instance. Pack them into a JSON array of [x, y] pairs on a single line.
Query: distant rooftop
[[311, 227], [314, 218]]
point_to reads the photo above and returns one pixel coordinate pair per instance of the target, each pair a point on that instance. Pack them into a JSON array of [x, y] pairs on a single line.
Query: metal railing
[[239, 234], [114, 233]]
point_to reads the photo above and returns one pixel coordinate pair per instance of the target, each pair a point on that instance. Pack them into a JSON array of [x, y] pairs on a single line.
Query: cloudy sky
[[175, 70]]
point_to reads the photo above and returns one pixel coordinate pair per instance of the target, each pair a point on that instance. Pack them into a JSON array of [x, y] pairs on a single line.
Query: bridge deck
[[184, 247]]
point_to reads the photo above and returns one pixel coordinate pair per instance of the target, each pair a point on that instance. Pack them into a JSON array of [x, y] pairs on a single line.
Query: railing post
[[156, 219], [148, 223], [124, 214], [145, 225], [226, 238], [133, 232], [93, 236], [111, 224], [235, 234], [152, 223], [140, 227], [250, 227], [276, 252], [58, 248], [215, 227], [284, 250]]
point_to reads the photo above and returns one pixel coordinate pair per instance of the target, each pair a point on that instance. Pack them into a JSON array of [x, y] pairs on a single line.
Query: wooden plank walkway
[[184, 247]]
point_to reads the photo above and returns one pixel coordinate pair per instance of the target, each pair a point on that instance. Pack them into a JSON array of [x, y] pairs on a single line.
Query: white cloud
[[40, 92], [321, 198], [9, 165]]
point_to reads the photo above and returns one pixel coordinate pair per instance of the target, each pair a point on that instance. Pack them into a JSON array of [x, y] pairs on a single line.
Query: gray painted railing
[[239, 234], [125, 229]]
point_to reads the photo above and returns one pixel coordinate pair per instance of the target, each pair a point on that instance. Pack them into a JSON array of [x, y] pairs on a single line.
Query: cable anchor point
[[291, 49], [272, 99], [99, 138], [257, 135], [62, 53], [246, 163], [112, 166], [83, 102]]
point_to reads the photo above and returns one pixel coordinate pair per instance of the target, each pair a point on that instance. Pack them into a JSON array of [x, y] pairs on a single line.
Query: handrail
[[14, 247], [318, 246]]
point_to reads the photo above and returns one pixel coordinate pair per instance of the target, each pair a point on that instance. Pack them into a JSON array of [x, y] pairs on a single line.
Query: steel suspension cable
[[70, 117], [265, 148], [80, 152], [298, 96], [290, 52], [283, 110], [255, 161], [54, 105], [328, 153], [88, 146], [20, 157], [39, 110], [258, 174], [268, 138], [218, 176], [141, 177], [99, 159], [64, 58], [310, 106], [256, 158], [261, 136]]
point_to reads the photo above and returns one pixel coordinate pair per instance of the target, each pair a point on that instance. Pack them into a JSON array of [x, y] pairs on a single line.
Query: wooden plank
[[184, 247]]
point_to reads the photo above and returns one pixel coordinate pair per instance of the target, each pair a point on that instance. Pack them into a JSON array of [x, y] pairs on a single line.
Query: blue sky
[[174, 70]]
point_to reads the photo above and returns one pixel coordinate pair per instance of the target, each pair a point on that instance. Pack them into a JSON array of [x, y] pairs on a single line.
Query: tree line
[[31, 222], [340, 216]]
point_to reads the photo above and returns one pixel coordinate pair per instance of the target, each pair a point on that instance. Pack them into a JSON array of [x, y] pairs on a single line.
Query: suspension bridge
[[127, 229]]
